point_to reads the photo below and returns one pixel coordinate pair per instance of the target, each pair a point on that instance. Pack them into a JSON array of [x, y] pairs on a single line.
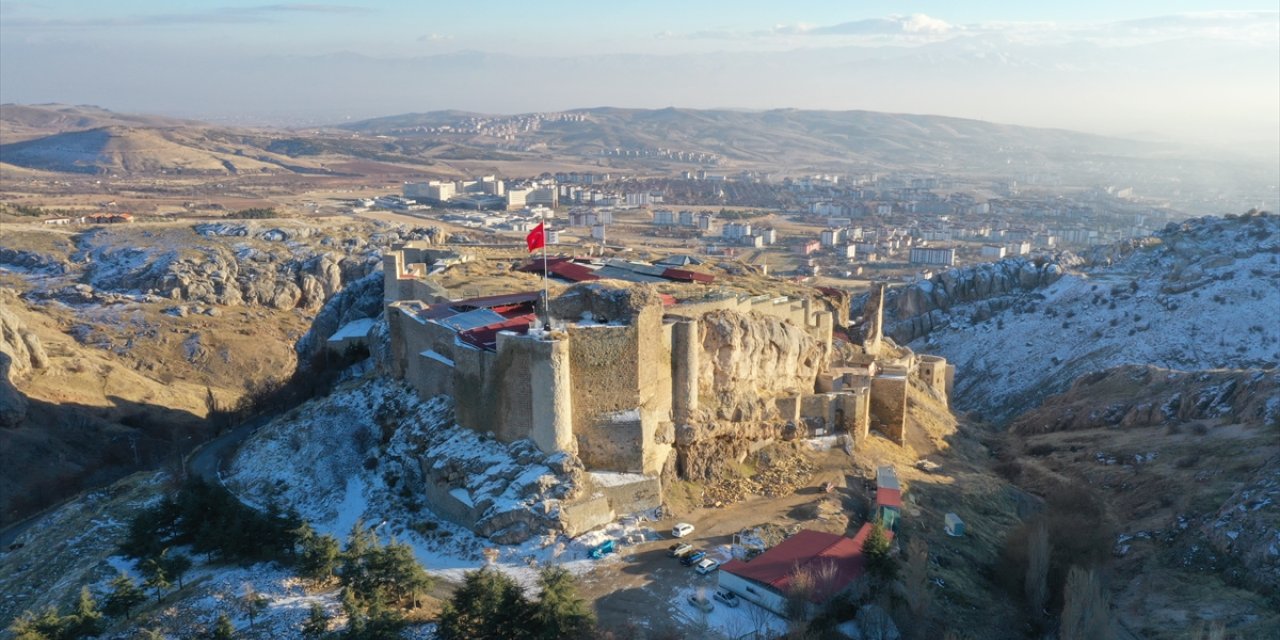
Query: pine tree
[[157, 578], [318, 555], [488, 605], [175, 565], [87, 619], [124, 596], [317, 623], [876, 550], [559, 612], [252, 603], [46, 625], [223, 629]]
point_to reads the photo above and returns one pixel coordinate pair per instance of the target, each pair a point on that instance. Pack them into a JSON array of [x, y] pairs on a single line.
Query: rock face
[[914, 311], [1148, 396], [360, 299], [20, 353], [1247, 527], [32, 260], [748, 360]]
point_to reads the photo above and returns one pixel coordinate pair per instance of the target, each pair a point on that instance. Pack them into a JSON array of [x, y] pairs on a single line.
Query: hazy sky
[[1193, 70]]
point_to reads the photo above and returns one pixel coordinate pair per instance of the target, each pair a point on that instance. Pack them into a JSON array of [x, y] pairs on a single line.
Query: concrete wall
[[753, 591], [889, 405]]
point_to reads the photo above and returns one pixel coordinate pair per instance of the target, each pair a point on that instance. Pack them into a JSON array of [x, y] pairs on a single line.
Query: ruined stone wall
[[889, 405], [932, 370], [654, 339], [686, 347], [605, 372], [749, 361]]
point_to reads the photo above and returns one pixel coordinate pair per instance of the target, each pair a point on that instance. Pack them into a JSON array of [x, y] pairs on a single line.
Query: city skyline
[[1185, 71]]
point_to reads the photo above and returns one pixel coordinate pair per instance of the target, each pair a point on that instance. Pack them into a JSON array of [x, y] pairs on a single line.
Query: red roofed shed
[[766, 579]]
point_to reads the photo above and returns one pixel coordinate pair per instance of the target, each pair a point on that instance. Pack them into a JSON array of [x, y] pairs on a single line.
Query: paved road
[[204, 463]]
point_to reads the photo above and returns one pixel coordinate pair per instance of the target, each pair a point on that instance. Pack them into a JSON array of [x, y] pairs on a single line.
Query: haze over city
[[1187, 71]]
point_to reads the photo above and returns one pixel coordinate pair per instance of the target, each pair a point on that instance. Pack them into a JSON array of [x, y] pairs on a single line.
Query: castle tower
[[873, 320]]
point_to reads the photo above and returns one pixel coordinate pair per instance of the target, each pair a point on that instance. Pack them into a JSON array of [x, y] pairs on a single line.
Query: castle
[[639, 384]]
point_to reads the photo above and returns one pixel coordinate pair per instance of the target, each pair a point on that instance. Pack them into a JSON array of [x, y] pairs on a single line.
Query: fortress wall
[[632, 497], [889, 405], [445, 503], [581, 516], [508, 393], [855, 406], [605, 373], [686, 344], [473, 402], [932, 370], [552, 396], [654, 339]]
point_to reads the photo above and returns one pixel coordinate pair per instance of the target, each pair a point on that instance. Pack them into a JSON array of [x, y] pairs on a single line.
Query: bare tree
[[1036, 582], [1086, 613], [915, 580], [798, 595]]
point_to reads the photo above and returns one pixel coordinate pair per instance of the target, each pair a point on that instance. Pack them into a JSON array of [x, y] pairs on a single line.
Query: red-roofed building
[[766, 579]]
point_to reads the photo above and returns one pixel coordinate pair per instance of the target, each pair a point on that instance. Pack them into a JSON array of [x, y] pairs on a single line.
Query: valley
[[1111, 408]]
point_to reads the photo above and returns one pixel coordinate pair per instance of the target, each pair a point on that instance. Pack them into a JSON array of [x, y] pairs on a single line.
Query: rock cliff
[[748, 360], [20, 352], [977, 291], [359, 299]]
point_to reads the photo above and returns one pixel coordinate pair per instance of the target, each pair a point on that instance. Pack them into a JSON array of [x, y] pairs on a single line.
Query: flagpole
[[546, 289]]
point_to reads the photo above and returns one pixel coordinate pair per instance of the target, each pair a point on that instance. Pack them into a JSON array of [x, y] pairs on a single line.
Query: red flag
[[537, 238]]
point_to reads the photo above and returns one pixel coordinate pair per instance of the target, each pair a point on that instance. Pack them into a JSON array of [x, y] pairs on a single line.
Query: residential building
[[933, 255]]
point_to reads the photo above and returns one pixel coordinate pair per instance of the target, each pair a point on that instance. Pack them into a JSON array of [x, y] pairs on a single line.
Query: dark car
[[727, 597], [693, 558]]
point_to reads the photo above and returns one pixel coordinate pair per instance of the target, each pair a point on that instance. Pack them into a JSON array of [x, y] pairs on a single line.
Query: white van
[[682, 529]]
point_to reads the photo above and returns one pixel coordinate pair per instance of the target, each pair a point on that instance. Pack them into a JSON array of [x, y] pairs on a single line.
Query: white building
[[992, 251], [933, 255]]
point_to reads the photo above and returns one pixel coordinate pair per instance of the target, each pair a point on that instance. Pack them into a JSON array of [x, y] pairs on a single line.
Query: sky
[[1191, 70]]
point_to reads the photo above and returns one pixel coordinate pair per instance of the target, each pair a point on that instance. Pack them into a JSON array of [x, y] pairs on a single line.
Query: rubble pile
[[780, 471]]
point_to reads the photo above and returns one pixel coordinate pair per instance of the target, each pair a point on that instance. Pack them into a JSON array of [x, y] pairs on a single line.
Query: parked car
[[681, 530], [679, 550], [691, 559], [603, 549], [727, 597], [706, 565], [700, 601]]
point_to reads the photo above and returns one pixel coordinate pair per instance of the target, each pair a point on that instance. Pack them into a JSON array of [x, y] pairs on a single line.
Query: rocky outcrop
[[978, 291], [1247, 527], [221, 275], [360, 299], [748, 360], [20, 353], [1146, 396], [32, 260]]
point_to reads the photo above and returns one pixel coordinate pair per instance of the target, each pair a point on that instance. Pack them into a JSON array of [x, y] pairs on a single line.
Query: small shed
[[953, 525]]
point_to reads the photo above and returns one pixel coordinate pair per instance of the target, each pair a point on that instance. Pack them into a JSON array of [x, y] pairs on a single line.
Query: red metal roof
[[889, 498], [486, 337], [687, 276], [812, 550], [572, 271]]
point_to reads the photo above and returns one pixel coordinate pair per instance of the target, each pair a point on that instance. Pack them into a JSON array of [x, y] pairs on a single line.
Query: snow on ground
[[316, 459], [1094, 321], [723, 620]]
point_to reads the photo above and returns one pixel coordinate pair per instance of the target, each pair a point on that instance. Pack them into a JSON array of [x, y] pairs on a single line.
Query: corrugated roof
[[812, 550], [471, 319], [688, 276], [622, 273], [486, 337], [486, 302], [573, 271], [889, 498]]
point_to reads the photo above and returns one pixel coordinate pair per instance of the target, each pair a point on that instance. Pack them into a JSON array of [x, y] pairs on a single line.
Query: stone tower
[[873, 320]]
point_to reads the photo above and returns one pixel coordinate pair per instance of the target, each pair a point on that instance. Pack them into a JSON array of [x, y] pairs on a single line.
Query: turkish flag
[[537, 238]]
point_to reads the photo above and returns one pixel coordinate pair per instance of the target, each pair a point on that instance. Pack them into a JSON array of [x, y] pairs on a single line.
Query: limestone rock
[[748, 360]]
